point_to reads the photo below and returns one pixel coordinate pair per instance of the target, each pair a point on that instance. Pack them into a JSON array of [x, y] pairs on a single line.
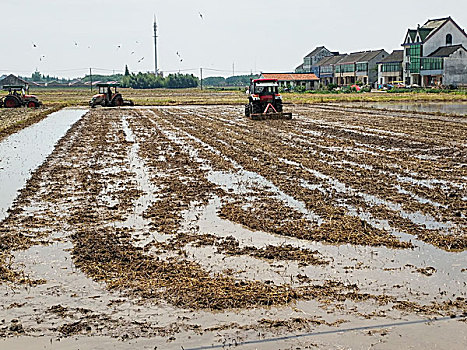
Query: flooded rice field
[[444, 108], [195, 228], [23, 152]]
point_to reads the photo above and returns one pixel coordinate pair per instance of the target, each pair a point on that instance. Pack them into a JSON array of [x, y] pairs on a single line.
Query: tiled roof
[[395, 56], [424, 32], [370, 55], [315, 51], [445, 51], [435, 23], [326, 61], [300, 66], [412, 34], [362, 56], [290, 76]]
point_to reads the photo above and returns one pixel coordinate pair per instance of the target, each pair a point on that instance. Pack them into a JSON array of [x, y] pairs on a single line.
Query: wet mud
[[194, 226]]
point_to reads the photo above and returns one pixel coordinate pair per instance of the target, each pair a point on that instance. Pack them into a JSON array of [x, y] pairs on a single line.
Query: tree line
[[152, 81], [237, 80]]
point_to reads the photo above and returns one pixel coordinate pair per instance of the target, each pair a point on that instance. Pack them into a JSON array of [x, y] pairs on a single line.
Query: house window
[[345, 68], [391, 67], [415, 52], [432, 63], [362, 67], [448, 39]]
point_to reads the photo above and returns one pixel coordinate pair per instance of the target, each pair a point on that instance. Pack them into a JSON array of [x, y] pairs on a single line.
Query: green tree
[[240, 80], [36, 76], [214, 81]]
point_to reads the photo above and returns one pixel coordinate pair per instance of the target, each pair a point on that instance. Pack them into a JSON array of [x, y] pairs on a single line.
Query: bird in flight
[[132, 52], [140, 60], [179, 57], [76, 44], [119, 46], [34, 45], [201, 15], [40, 58]]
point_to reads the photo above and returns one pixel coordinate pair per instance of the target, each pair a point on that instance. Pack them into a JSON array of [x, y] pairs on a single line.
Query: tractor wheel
[[119, 102], [279, 106], [32, 104], [11, 102], [247, 110], [256, 108]]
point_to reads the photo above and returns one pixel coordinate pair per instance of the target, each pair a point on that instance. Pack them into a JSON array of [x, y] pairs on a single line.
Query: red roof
[[264, 80], [290, 76]]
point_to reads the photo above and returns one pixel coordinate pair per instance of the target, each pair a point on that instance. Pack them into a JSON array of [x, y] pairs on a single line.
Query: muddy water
[[24, 151], [445, 108], [111, 317]]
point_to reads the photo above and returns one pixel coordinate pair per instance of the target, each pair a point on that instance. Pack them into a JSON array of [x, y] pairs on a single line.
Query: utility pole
[[201, 74], [90, 76], [155, 47], [233, 69]]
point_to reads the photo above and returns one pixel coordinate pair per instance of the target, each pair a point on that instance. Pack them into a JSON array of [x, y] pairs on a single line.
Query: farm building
[[390, 68], [291, 80], [13, 80], [434, 54]]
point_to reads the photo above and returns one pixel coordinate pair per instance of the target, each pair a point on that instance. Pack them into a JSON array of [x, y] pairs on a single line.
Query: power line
[[297, 336]]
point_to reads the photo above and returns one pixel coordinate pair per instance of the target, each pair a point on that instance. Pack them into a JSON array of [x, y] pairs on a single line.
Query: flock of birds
[[119, 46]]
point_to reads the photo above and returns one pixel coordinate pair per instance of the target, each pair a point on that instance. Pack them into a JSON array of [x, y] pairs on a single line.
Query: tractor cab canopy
[[14, 87], [264, 86], [106, 88]]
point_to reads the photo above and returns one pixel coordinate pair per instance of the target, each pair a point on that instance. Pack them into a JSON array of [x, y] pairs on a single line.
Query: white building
[[434, 54]]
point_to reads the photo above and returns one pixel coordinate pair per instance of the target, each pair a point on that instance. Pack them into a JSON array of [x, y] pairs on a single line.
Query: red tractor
[[18, 96], [109, 96], [264, 100]]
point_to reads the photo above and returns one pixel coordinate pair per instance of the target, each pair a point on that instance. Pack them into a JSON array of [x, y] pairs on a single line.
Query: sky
[[66, 37]]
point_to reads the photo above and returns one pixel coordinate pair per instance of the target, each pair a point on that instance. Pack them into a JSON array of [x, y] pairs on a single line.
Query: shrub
[[300, 89]]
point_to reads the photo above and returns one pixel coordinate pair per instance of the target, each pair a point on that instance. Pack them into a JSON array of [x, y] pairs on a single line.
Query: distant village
[[432, 55]]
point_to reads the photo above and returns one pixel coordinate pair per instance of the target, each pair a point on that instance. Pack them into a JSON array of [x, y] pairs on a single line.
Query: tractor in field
[[264, 100], [109, 96], [18, 96]]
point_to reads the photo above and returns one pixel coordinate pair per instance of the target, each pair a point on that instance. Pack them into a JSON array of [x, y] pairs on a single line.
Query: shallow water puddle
[[22, 152]]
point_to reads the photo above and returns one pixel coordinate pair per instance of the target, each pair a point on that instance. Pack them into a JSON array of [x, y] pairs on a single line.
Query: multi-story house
[[390, 68], [310, 60], [359, 67], [434, 54], [326, 68]]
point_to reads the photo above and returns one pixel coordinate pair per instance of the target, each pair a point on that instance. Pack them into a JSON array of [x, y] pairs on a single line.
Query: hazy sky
[[269, 35]]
